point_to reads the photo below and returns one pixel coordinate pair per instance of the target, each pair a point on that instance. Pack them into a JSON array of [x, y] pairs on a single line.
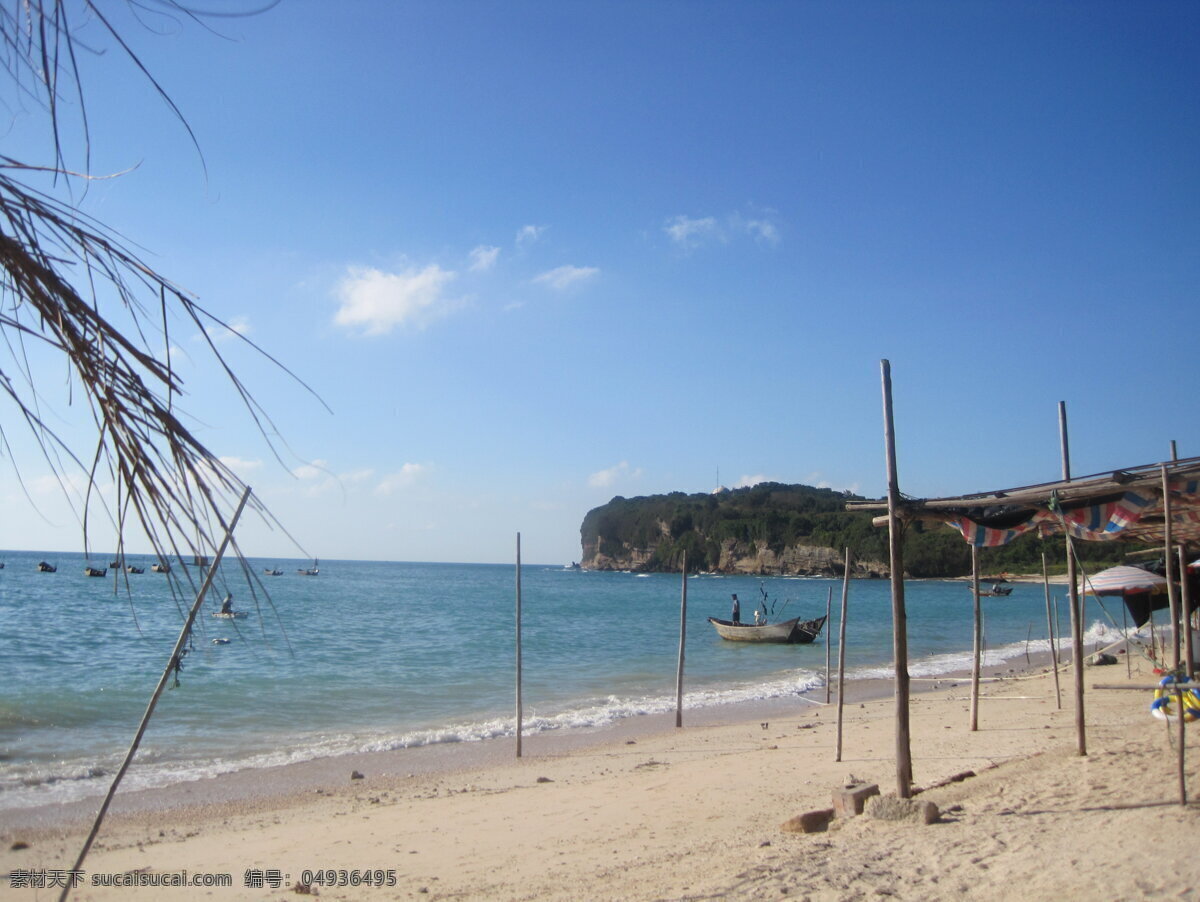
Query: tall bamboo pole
[[682, 643], [904, 771], [172, 663], [976, 661], [1172, 597], [1189, 656], [1073, 601], [518, 618], [1050, 632], [842, 655]]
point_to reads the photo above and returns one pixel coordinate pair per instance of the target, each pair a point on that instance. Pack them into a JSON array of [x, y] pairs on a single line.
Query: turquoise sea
[[374, 656]]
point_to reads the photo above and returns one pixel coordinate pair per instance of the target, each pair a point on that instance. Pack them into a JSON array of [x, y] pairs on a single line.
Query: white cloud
[[689, 233], [401, 479], [241, 467], [749, 481], [761, 230], [529, 234], [484, 258], [239, 325], [378, 301], [314, 470], [602, 479], [563, 277]]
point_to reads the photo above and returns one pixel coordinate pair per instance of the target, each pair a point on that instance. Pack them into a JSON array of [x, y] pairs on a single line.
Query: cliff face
[[743, 558]]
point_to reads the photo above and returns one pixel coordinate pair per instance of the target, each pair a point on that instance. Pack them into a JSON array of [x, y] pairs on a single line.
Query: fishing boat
[[310, 571], [45, 567], [132, 569], [160, 568], [95, 571], [273, 571], [996, 590], [230, 615], [795, 631]]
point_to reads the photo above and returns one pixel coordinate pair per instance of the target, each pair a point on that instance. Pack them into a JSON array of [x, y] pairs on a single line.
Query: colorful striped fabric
[[1097, 522]]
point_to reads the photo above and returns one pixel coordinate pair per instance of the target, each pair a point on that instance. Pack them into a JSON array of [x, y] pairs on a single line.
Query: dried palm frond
[[70, 284]]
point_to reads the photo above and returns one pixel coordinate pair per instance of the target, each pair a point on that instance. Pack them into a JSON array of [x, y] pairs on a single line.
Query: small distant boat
[[273, 571], [132, 569], [44, 567], [94, 571], [230, 615], [114, 565], [792, 632], [160, 568], [996, 589], [314, 570]]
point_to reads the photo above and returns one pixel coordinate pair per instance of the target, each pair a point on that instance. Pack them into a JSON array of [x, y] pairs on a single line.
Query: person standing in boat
[[227, 604], [736, 616]]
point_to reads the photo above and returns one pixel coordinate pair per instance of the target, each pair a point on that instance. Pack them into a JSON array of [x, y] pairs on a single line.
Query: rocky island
[[774, 529]]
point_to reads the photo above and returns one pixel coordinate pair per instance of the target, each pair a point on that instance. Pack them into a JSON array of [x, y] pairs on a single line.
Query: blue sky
[[532, 255]]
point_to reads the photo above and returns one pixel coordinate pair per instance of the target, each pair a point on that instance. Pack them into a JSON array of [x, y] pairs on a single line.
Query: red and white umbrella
[[1124, 580]]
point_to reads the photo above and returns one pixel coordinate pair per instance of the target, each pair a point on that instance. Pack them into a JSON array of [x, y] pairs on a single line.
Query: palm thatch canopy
[[1126, 505]]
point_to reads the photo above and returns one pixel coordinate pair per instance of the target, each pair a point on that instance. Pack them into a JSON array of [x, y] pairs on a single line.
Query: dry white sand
[[697, 813]]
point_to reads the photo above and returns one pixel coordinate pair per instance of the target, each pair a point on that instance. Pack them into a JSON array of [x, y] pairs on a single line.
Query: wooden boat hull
[[790, 632]]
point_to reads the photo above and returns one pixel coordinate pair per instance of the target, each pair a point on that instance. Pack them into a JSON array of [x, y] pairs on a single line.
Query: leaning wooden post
[[828, 602], [1050, 632], [1073, 600], [682, 642], [842, 655], [172, 663], [1189, 658], [899, 617], [1172, 598], [518, 645], [977, 654]]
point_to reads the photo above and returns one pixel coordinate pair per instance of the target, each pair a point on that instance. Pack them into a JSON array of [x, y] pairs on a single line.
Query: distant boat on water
[[95, 571], [792, 632], [314, 570], [44, 567], [273, 571], [160, 568], [132, 569]]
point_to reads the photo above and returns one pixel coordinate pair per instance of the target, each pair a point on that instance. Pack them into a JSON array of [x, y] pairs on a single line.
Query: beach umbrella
[[1135, 585], [1124, 580]]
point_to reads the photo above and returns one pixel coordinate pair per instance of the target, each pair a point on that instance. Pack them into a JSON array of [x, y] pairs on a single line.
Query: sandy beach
[[646, 811]]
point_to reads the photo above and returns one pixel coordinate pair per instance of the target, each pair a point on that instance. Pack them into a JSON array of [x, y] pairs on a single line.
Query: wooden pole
[[904, 772], [1182, 747], [828, 649], [518, 613], [1125, 631], [1073, 600], [842, 655], [172, 663], [1189, 653], [976, 660], [1172, 597], [682, 642], [1050, 632]]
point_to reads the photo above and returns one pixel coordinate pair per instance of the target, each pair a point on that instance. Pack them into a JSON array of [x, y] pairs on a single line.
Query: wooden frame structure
[[1149, 504]]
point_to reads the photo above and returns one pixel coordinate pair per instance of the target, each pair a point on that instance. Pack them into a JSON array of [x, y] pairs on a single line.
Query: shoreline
[[272, 783], [650, 813]]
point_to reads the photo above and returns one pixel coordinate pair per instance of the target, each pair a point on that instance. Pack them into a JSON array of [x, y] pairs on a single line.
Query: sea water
[[373, 656]]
